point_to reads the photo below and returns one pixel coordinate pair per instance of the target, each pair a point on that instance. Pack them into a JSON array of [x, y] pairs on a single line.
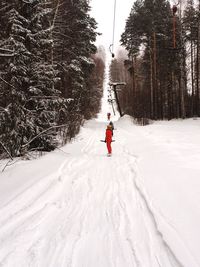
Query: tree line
[[51, 76], [161, 66]]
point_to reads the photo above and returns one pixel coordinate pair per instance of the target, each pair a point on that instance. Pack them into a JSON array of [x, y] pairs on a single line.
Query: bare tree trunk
[[133, 78], [192, 77], [156, 100], [175, 97], [52, 28], [197, 72], [151, 83], [182, 80]]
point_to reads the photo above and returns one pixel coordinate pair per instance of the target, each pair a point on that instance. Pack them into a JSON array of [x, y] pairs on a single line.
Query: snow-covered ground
[[76, 207]]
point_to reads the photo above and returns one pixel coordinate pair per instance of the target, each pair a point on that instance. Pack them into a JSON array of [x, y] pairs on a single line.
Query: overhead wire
[[113, 33]]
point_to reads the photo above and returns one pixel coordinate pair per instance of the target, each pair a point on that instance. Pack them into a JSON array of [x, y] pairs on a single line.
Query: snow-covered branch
[[6, 150], [6, 52], [46, 130], [7, 82]]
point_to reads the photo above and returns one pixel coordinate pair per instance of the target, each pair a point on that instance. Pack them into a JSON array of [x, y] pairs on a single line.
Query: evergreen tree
[[148, 37], [27, 77], [190, 23], [14, 76], [74, 35], [46, 72]]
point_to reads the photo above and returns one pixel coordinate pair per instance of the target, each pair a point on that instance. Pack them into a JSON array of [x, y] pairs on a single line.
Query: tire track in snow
[[157, 213], [72, 210], [21, 215], [123, 208], [42, 186], [111, 210], [106, 191], [173, 260]]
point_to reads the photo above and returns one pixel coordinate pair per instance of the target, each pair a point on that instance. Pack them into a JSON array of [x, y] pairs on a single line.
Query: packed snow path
[[88, 211]]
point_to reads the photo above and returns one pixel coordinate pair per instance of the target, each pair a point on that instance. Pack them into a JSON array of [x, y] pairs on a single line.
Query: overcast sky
[[103, 12]]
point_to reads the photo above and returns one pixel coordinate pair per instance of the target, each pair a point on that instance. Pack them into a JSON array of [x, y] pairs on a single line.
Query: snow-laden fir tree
[[46, 70], [28, 98], [14, 78], [74, 35]]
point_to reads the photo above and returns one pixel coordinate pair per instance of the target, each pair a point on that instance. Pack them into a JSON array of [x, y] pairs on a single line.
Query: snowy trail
[[91, 212]]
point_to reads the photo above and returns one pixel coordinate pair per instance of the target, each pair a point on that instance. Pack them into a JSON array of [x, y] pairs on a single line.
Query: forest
[[161, 66], [51, 73]]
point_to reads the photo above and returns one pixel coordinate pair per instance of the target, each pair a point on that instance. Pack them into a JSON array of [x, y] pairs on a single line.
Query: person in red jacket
[[108, 139]]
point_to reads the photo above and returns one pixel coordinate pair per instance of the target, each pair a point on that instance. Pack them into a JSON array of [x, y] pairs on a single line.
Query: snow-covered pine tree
[[15, 59], [45, 71], [74, 34], [44, 100], [29, 102]]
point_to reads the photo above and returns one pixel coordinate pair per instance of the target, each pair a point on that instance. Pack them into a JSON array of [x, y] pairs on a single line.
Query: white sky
[[103, 12]]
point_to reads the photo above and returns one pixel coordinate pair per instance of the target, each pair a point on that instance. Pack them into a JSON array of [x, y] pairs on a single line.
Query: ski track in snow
[[85, 215]]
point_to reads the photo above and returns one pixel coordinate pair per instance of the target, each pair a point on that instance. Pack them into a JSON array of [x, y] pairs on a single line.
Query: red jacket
[[108, 135]]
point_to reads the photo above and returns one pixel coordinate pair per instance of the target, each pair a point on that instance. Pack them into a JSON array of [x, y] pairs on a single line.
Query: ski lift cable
[[113, 36], [114, 15]]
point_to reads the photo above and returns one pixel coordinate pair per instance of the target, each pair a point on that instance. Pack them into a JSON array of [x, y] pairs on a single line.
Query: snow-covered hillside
[[76, 207]]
